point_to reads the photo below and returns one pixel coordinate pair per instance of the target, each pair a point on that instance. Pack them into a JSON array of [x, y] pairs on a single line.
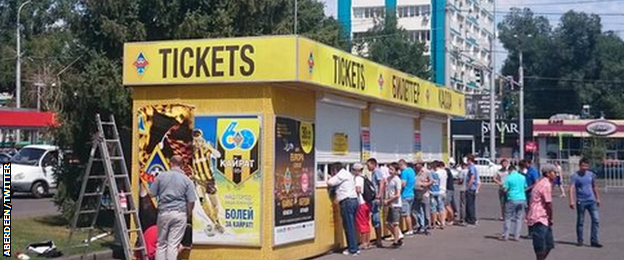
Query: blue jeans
[[422, 210], [348, 208], [514, 212], [581, 207]]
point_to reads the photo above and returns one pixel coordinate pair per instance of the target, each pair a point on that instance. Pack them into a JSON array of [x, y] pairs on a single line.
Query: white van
[[32, 169]]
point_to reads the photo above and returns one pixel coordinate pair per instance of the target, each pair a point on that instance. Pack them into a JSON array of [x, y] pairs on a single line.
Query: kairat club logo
[[311, 62], [380, 81], [243, 139], [601, 128], [140, 64]]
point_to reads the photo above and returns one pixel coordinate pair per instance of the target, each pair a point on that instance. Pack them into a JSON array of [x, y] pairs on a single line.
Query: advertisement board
[[228, 179], [294, 181]]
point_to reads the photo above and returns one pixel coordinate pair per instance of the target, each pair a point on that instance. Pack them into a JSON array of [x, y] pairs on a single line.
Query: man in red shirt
[[541, 213]]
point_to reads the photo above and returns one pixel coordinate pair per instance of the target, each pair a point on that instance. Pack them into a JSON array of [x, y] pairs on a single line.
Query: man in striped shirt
[[541, 213]]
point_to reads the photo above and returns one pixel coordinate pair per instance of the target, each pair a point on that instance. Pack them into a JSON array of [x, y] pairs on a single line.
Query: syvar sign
[[508, 128]]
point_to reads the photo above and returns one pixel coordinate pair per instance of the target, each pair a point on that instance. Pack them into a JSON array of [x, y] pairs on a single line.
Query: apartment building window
[[368, 12], [420, 35], [425, 10], [412, 10]]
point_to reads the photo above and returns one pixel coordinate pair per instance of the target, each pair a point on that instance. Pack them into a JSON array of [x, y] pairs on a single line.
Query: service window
[[392, 135], [431, 136], [336, 116]]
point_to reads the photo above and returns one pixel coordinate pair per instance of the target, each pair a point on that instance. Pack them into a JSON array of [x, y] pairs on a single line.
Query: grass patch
[[55, 228]]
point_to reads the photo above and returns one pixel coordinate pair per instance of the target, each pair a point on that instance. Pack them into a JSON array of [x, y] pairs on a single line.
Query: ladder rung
[[130, 212], [134, 230], [120, 175], [107, 123], [112, 140], [138, 248], [91, 211], [86, 228], [91, 194], [97, 159], [117, 158], [95, 177]]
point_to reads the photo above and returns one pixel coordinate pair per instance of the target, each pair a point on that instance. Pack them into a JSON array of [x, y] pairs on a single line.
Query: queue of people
[[420, 195]]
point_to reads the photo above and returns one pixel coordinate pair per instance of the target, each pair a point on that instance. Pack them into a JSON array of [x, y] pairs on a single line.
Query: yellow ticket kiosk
[[257, 121]]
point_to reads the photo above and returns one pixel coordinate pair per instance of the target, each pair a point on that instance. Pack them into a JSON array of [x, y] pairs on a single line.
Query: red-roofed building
[[33, 124]]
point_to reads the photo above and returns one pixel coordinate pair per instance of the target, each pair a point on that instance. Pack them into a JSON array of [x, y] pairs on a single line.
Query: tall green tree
[[566, 66], [389, 44]]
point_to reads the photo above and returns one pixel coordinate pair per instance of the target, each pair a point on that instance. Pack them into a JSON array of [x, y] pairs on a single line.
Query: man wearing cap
[[540, 217], [362, 217], [176, 198]]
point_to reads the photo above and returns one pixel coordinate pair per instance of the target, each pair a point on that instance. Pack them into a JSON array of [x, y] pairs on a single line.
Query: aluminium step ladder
[[106, 171]]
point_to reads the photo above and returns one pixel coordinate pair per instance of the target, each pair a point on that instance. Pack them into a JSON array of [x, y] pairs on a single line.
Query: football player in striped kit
[[205, 184]]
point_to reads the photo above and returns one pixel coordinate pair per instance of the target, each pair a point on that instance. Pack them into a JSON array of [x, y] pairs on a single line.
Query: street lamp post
[[18, 63], [18, 68]]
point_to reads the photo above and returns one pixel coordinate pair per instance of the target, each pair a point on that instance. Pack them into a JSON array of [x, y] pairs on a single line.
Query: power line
[[569, 3], [576, 80]]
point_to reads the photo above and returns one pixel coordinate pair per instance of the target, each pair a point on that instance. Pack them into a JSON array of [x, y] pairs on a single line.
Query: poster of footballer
[[164, 131], [226, 166], [294, 182]]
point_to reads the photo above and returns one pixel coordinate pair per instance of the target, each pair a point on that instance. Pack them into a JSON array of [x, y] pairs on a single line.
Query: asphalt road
[[25, 206], [481, 242]]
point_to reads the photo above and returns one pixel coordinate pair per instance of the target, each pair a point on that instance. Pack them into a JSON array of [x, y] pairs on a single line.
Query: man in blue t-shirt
[[408, 178], [583, 188], [473, 184], [532, 175], [516, 203]]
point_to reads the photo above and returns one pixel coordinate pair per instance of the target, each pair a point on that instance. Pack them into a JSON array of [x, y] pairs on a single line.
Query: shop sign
[[339, 70], [366, 145], [294, 184], [601, 128], [209, 61], [255, 59], [340, 144]]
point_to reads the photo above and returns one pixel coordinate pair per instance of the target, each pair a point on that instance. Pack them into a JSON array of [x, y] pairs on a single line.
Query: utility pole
[[493, 90], [521, 83], [296, 11]]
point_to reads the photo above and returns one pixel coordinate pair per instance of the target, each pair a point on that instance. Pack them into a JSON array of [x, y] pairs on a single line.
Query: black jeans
[[471, 207]]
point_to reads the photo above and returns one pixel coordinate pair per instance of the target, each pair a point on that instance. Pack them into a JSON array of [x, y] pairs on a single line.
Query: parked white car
[[487, 168], [32, 169]]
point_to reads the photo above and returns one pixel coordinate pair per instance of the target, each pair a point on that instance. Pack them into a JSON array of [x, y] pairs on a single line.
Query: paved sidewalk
[[458, 243]]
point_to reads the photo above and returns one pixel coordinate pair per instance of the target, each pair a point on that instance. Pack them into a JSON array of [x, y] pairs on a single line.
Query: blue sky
[[548, 8]]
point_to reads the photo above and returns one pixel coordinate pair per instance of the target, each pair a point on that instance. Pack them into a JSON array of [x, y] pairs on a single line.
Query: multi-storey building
[[458, 34]]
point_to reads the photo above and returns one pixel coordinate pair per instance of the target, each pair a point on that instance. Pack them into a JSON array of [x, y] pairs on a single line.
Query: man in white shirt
[[346, 196], [443, 178]]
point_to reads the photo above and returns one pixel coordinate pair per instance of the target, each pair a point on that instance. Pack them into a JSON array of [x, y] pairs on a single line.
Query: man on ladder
[[176, 199]]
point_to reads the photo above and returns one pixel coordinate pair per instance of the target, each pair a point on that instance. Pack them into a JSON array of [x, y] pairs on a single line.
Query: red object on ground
[[363, 219], [26, 119], [151, 239]]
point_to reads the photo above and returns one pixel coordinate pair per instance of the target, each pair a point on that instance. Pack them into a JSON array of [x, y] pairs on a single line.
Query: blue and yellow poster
[[227, 177]]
